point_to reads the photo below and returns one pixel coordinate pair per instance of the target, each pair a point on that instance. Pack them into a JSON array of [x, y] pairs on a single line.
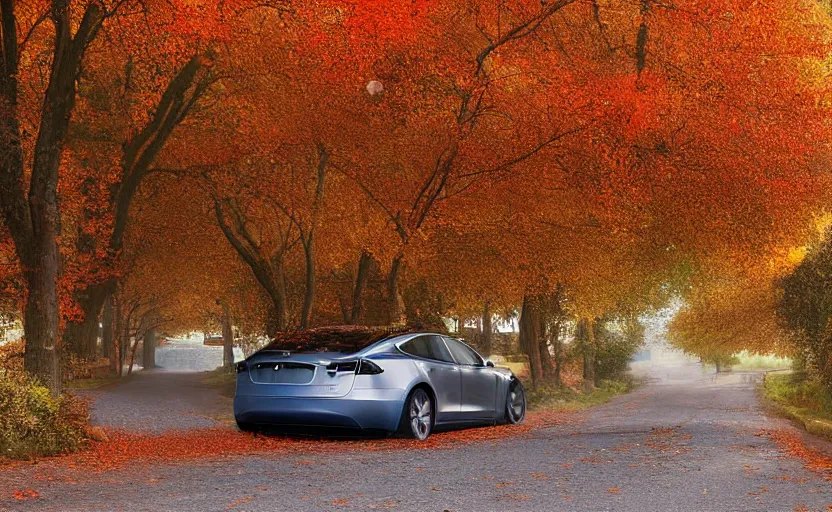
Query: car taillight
[[242, 367], [348, 366], [366, 367]]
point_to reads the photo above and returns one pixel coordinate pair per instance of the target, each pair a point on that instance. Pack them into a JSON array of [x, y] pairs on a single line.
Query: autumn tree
[[155, 95], [29, 200]]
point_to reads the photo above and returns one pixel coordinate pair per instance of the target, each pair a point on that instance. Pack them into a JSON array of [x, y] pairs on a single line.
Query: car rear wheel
[[515, 403], [417, 417], [245, 427]]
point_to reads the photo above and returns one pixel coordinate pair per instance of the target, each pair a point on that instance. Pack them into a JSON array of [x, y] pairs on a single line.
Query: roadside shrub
[[11, 356], [618, 342], [33, 422], [805, 308]]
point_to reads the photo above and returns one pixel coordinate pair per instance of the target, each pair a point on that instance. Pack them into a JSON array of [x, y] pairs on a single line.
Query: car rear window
[[344, 339]]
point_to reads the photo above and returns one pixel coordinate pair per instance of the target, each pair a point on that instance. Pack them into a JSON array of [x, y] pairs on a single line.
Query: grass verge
[[567, 399], [94, 383], [801, 399]]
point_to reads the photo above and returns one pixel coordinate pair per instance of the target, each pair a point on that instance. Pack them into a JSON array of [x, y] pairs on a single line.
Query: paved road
[[157, 401], [678, 445]]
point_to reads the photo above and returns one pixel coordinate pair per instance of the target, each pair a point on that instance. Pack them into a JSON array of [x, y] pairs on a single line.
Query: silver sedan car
[[409, 384]]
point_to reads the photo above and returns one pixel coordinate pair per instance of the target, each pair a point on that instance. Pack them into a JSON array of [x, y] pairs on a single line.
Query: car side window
[[463, 354], [439, 350], [428, 347], [418, 347]]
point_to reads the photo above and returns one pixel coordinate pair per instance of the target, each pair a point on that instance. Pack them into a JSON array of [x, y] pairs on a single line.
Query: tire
[[515, 403], [417, 415], [245, 427]]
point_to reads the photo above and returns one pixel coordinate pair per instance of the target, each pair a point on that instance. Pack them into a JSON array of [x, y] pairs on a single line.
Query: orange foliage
[[508, 147]]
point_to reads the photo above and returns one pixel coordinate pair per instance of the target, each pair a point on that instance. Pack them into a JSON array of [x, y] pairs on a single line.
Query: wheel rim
[[517, 402], [420, 414]]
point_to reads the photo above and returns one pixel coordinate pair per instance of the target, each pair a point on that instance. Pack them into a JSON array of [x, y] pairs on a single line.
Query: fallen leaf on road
[[26, 494], [613, 490], [237, 503]]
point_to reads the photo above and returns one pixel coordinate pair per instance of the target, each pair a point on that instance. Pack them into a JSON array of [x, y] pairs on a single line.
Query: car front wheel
[[515, 403], [417, 417]]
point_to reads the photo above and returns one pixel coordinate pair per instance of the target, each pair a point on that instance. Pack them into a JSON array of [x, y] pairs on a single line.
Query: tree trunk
[[107, 334], [557, 347], [227, 337], [529, 336], [40, 321], [586, 328], [309, 295], [81, 338], [118, 331], [364, 264], [548, 367], [132, 355], [268, 271], [396, 314], [149, 349], [123, 345], [309, 243], [487, 338], [280, 320], [42, 315]]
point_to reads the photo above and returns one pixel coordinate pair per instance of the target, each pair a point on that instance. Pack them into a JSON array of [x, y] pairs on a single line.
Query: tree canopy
[[339, 161]]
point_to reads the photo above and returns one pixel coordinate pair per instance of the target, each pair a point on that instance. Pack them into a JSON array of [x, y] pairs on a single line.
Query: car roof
[[393, 340]]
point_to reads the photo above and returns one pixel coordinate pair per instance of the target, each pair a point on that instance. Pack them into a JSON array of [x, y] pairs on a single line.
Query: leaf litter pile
[[122, 447], [793, 444]]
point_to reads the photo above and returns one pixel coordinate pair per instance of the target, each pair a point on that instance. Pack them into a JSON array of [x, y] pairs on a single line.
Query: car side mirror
[[489, 363]]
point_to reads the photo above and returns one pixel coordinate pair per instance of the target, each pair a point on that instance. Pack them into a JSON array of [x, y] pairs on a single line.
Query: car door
[[430, 353], [479, 383]]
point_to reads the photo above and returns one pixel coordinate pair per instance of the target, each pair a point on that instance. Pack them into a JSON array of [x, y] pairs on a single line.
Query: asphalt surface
[[687, 443], [157, 401]]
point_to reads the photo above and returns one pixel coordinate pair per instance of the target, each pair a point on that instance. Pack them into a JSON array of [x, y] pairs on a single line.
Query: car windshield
[[343, 339]]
